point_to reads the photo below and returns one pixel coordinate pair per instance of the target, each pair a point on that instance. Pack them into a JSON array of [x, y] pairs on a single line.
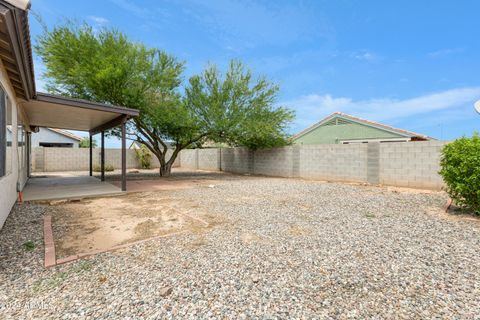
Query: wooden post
[[102, 157], [124, 156], [28, 148], [91, 155]]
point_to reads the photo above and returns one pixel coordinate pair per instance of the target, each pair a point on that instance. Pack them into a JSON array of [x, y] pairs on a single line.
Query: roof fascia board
[[20, 4], [43, 97], [109, 125], [14, 29], [26, 51]]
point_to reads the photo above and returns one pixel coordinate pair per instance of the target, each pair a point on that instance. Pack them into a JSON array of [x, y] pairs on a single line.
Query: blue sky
[[410, 64]]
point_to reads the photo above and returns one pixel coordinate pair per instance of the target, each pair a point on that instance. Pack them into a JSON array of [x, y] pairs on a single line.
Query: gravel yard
[[279, 248]]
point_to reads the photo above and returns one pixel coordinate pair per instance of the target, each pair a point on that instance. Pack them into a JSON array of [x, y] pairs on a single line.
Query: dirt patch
[[298, 231], [102, 223], [249, 237], [410, 190], [454, 213]]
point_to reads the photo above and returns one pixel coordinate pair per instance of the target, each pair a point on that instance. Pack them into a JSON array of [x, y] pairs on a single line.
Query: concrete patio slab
[[66, 186], [156, 185]]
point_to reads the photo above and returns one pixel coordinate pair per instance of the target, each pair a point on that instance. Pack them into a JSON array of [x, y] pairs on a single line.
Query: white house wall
[[49, 136], [8, 183]]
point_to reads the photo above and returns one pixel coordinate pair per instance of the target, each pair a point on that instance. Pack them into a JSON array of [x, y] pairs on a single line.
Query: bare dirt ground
[[102, 223], [99, 224]]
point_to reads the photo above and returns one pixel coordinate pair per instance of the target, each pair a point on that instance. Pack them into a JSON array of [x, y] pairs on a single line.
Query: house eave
[[15, 50]]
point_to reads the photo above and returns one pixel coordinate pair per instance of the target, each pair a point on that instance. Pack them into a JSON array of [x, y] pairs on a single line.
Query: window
[[21, 145], [55, 145], [9, 125], [3, 134]]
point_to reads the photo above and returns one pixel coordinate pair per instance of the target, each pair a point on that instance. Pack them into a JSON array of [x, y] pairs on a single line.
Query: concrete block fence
[[409, 164], [77, 159]]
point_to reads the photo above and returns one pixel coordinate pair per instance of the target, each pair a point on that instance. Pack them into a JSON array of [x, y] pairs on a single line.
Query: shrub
[[98, 168], [29, 245], [144, 157], [460, 169]]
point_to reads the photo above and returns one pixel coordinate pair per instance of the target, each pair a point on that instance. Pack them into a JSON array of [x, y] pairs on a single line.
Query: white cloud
[[311, 108], [445, 52], [365, 55], [99, 20]]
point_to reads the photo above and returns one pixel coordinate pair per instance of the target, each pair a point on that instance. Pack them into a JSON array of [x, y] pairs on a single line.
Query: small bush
[[29, 245], [98, 168], [144, 157], [460, 169]]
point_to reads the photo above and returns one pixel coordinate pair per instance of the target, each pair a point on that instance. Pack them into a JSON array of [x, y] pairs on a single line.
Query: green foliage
[[85, 143], [370, 214], [236, 109], [105, 66], [29, 245], [144, 156], [460, 169], [98, 168]]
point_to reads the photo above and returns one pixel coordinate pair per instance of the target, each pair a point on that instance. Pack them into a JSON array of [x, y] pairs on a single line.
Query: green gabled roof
[[343, 118]]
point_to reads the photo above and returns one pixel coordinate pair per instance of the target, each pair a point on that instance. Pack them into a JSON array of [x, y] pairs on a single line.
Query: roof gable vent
[[337, 122]]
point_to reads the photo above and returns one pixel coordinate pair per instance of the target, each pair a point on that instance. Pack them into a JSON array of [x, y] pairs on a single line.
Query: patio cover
[[46, 110]]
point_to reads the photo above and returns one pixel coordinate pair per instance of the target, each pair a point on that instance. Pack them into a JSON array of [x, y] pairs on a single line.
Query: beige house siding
[[8, 183]]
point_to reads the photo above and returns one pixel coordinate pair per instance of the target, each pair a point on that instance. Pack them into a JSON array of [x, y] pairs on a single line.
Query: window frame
[[3, 133]]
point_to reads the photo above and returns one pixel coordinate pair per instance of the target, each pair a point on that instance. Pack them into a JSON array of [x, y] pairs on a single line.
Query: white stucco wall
[[48, 136], [8, 183]]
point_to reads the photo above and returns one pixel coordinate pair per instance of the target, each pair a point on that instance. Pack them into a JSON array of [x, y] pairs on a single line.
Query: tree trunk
[[165, 169], [166, 166]]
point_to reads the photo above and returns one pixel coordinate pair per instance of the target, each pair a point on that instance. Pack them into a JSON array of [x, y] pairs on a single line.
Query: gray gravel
[[279, 248]]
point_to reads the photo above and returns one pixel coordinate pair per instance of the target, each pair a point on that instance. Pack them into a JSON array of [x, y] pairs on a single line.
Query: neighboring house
[[341, 128], [48, 137], [136, 145], [23, 110]]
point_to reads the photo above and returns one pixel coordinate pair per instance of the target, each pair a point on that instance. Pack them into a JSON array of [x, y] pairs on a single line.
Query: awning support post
[[91, 155], [28, 142], [102, 157], [124, 155]]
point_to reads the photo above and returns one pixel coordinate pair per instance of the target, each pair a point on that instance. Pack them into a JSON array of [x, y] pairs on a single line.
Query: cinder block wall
[[410, 164], [336, 162], [414, 164], [208, 159], [67, 159], [236, 160], [274, 162], [77, 159], [189, 159]]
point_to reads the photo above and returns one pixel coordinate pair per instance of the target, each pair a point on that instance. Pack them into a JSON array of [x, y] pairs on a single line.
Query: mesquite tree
[[105, 66]]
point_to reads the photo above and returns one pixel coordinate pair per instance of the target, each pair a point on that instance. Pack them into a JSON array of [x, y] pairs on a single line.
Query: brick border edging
[[50, 258], [447, 204], [114, 248]]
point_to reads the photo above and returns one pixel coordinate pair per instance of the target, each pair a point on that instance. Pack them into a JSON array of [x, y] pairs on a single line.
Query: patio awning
[[47, 110]]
